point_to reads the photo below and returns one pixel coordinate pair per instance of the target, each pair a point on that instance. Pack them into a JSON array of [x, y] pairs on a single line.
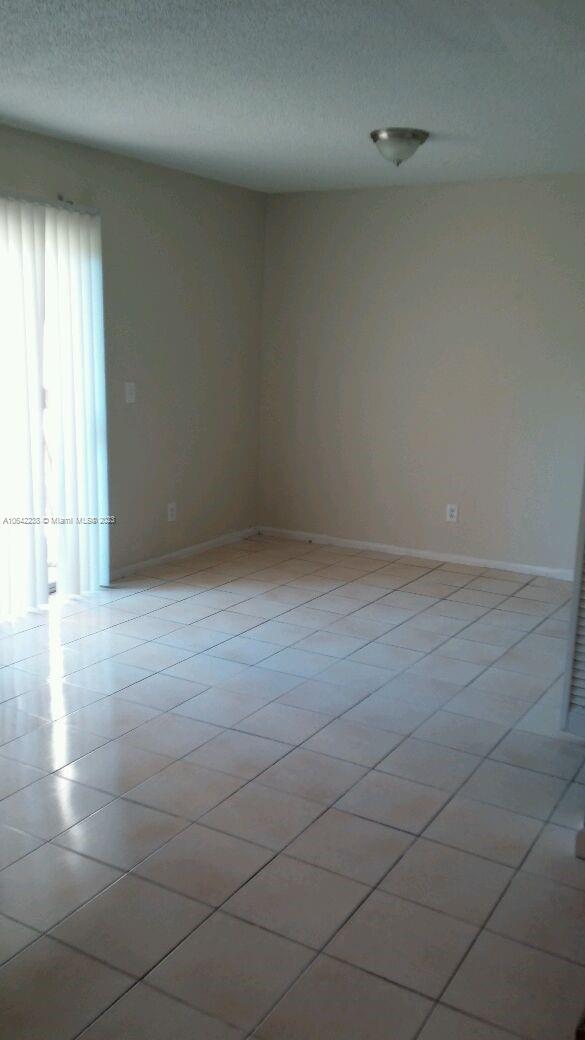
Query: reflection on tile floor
[[291, 792]]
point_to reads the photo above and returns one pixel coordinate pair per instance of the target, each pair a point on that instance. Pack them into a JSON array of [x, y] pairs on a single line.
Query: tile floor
[[291, 792]]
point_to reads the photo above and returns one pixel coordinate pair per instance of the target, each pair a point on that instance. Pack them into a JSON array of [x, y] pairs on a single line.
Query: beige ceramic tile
[[262, 682], [60, 975], [383, 655], [108, 676], [161, 692], [14, 937], [553, 856], [297, 900], [485, 830], [449, 880], [241, 754], [520, 790], [15, 723], [293, 661], [423, 690], [132, 925], [203, 668], [439, 624], [15, 775], [511, 620], [55, 699], [330, 643], [244, 650], [493, 635], [263, 815], [440, 767], [229, 623], [14, 844], [327, 698], [279, 633], [313, 776], [220, 707], [122, 833], [14, 682], [570, 811], [231, 969], [49, 883], [336, 1000], [364, 628], [348, 845], [485, 705], [520, 989], [397, 714], [115, 767], [543, 754], [144, 1014], [50, 806], [111, 717], [403, 942], [153, 657], [544, 914], [468, 650], [197, 637], [528, 661], [148, 628], [394, 801], [282, 722], [362, 678], [171, 735], [185, 789], [348, 740], [52, 746], [204, 864], [447, 1024], [513, 684], [349, 654], [412, 637], [447, 668]]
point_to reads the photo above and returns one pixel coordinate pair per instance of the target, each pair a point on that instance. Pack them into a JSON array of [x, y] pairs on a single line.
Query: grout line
[[516, 872], [302, 680]]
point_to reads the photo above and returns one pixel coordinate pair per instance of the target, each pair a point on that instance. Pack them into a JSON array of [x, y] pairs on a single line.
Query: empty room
[[292, 520]]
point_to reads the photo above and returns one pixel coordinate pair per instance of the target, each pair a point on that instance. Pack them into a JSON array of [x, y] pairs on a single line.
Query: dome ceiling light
[[398, 143]]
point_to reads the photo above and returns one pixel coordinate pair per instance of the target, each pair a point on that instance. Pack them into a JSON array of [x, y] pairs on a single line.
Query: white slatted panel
[[574, 702]]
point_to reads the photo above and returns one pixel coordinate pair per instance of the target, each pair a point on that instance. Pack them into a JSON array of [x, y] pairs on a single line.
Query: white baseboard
[[399, 550], [346, 543], [179, 554]]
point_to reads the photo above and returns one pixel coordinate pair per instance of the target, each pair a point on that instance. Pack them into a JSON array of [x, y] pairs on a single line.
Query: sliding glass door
[[53, 461]]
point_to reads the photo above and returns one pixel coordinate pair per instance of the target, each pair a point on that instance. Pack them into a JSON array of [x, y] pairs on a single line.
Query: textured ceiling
[[280, 95]]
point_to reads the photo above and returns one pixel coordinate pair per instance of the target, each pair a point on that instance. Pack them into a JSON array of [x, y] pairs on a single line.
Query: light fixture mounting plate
[[401, 133]]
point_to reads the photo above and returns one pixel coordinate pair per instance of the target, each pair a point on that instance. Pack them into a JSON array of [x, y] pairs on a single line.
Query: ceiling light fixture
[[398, 143]]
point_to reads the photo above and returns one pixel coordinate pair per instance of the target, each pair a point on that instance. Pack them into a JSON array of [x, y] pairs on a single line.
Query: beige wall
[[420, 346], [425, 346], [182, 285]]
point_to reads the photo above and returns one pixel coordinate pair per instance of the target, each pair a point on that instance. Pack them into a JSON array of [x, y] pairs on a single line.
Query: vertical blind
[[23, 557], [574, 700], [51, 351], [74, 377]]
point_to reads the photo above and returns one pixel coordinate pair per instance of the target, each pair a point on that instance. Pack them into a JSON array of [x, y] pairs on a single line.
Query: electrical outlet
[[171, 512], [130, 393], [452, 514]]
